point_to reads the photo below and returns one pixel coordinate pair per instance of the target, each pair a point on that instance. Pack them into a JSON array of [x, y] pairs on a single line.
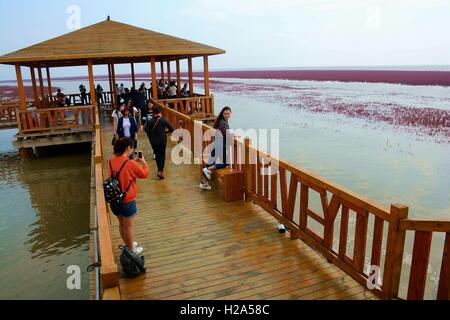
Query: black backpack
[[132, 264], [111, 187]]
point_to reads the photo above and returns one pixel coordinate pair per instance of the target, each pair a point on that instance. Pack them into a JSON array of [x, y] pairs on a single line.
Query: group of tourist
[[128, 123], [62, 100]]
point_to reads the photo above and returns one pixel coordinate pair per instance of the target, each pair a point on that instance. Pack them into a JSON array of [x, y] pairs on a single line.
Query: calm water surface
[[44, 222]]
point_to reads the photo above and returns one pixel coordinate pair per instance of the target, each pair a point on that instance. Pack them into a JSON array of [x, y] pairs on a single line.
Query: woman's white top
[[126, 127]]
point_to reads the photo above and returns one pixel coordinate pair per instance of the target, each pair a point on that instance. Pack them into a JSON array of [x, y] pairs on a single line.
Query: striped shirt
[[224, 128]]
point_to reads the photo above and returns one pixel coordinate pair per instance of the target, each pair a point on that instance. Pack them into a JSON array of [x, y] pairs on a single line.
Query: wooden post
[[111, 89], [394, 252], [191, 80], [154, 84], [41, 86], [92, 84], [169, 77], [23, 99], [419, 265], [33, 82], [133, 78], [49, 84], [178, 78], [247, 168], [206, 74], [444, 279], [113, 79], [162, 70]]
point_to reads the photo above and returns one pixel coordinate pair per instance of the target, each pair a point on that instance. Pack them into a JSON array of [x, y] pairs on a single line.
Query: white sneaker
[[204, 186], [138, 250], [207, 173], [135, 244], [281, 228]]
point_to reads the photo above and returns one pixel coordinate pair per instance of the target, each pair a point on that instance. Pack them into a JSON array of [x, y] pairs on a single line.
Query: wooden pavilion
[[105, 43]]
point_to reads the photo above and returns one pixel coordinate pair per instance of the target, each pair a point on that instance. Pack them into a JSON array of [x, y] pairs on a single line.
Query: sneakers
[[135, 244], [204, 186], [281, 228], [138, 250], [207, 173]]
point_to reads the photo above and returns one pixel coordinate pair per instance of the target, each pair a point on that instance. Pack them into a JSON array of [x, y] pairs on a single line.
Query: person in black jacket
[[156, 130], [141, 103]]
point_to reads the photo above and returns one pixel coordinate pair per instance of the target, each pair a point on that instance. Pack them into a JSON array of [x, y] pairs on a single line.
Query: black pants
[[160, 154]]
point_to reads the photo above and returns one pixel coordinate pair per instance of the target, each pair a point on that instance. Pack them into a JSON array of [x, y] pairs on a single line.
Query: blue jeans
[[223, 163]]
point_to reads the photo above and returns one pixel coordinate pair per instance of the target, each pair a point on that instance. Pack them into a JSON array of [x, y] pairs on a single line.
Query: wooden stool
[[232, 184]]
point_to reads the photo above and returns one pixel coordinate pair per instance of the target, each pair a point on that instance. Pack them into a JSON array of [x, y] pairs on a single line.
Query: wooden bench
[[231, 183]]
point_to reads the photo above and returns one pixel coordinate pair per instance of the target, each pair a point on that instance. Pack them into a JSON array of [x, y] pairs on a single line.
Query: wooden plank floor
[[199, 247]]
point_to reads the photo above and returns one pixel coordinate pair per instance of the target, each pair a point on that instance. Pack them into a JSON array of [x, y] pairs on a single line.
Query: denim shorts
[[126, 210]]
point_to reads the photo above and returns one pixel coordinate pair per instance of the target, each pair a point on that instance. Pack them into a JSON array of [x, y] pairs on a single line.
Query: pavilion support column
[[33, 83], [133, 78], [111, 89], [92, 85], [191, 78], [169, 77], [206, 74], [49, 84], [113, 78], [41, 86], [162, 71], [154, 84], [23, 99], [178, 78]]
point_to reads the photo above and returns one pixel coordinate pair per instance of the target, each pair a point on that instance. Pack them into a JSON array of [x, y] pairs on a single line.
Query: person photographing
[[127, 172]]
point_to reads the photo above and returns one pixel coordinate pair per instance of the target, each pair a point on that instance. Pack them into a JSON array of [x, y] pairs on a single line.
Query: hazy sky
[[255, 33]]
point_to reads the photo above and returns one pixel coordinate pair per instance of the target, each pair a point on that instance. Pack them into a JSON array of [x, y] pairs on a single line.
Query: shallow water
[[44, 222]]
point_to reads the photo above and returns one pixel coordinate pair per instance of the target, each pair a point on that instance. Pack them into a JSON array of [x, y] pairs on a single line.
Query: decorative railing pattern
[[8, 111], [199, 105], [53, 119], [375, 249]]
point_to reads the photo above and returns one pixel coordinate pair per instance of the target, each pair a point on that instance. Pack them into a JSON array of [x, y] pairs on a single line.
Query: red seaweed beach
[[428, 120]]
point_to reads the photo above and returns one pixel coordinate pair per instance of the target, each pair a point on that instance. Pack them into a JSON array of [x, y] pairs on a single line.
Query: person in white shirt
[[116, 115], [172, 90]]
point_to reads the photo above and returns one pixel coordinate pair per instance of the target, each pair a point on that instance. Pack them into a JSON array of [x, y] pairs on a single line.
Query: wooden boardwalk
[[199, 247]]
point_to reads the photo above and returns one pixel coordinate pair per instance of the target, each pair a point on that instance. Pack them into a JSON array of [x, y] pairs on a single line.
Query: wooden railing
[[8, 111], [375, 249], [53, 119], [199, 105], [423, 234], [108, 270]]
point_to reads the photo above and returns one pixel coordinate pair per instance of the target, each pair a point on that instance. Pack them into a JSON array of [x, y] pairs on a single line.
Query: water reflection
[[44, 221], [57, 204]]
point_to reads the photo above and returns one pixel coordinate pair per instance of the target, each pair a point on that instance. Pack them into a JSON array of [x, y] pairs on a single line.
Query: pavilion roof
[[104, 42]]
